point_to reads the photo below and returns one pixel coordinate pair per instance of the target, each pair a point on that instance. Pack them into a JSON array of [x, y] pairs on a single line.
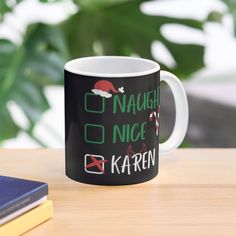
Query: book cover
[[28, 221], [16, 194]]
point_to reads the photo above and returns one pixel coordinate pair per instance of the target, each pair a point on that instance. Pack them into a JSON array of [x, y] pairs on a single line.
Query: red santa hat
[[105, 87]]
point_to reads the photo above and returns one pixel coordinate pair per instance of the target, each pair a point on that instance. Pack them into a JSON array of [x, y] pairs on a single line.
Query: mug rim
[[70, 66]]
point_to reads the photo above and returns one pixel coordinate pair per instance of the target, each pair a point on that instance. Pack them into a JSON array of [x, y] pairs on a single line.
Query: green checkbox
[[94, 133], [94, 103]]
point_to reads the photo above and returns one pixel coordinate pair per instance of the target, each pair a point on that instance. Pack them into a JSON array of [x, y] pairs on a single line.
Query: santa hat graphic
[[104, 87]]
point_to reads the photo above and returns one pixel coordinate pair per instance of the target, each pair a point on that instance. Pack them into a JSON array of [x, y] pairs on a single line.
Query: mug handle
[[181, 111]]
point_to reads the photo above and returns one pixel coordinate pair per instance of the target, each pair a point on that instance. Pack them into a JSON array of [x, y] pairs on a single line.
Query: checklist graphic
[[94, 103], [94, 133], [94, 164]]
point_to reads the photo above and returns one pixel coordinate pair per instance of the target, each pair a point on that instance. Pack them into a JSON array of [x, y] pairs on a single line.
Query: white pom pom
[[121, 89]]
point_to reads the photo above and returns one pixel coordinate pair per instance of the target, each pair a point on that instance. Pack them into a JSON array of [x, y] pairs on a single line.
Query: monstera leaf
[[7, 6], [25, 70], [101, 27], [119, 27]]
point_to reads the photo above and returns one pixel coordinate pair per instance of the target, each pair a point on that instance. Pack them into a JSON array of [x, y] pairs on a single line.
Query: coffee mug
[[112, 119]]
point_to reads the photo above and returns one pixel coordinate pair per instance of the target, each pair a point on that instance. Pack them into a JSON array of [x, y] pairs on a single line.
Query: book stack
[[23, 205]]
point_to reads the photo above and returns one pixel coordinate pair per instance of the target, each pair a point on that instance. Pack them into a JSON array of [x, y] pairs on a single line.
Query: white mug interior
[[112, 66]]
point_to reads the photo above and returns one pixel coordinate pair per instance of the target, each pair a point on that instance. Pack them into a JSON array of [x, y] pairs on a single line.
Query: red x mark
[[97, 163]]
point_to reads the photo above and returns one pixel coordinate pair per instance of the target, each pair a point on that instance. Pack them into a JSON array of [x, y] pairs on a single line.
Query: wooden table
[[194, 194]]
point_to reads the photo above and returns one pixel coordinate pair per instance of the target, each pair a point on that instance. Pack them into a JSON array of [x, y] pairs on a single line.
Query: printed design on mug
[[128, 164], [131, 152], [137, 156], [105, 88], [138, 162], [155, 116], [94, 164]]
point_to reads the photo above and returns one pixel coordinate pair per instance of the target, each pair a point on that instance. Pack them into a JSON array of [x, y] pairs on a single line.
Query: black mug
[[112, 107]]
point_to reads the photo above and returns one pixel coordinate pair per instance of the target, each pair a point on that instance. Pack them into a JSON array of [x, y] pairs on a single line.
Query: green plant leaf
[[232, 9], [8, 128], [120, 28], [101, 27], [4, 7], [26, 70], [7, 6], [90, 5]]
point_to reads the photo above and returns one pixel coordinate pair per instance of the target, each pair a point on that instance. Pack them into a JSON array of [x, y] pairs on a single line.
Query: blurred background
[[195, 39]]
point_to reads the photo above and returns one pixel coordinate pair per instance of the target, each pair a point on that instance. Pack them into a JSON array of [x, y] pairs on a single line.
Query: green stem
[[37, 140], [52, 131]]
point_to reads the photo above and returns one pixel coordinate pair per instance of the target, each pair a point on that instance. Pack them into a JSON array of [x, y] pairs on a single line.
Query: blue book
[[17, 194]]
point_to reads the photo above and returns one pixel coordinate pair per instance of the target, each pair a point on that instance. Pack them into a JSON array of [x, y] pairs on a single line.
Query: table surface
[[194, 194]]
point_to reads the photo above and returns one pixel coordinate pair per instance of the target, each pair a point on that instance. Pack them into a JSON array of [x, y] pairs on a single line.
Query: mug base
[[84, 181]]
